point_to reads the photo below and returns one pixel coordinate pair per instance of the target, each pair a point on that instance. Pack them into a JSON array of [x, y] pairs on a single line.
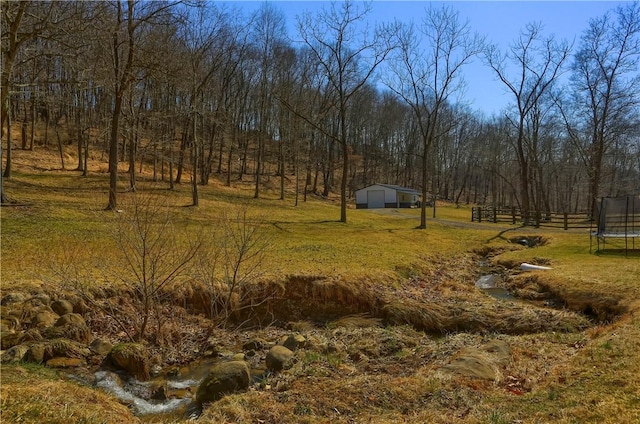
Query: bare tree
[[128, 21], [348, 59], [22, 22], [231, 262], [426, 77], [269, 32], [606, 89], [537, 64], [154, 254]]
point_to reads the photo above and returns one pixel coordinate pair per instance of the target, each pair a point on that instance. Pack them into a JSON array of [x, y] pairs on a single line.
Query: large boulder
[[224, 378], [278, 358], [132, 358]]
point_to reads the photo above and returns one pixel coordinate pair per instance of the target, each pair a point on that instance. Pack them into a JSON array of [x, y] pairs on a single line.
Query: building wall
[[361, 196]]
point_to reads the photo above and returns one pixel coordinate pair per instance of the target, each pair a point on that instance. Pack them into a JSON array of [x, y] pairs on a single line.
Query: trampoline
[[617, 218]]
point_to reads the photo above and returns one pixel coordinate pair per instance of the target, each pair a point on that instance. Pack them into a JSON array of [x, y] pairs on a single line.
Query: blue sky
[[499, 21]]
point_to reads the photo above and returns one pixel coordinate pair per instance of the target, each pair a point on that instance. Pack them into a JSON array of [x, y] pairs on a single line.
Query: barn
[[386, 196]]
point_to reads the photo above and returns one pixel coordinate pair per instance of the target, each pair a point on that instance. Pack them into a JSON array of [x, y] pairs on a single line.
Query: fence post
[[537, 219], [479, 213], [566, 221], [513, 215], [495, 214]]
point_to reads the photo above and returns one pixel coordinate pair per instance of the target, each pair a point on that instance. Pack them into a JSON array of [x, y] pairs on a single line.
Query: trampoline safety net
[[617, 217]]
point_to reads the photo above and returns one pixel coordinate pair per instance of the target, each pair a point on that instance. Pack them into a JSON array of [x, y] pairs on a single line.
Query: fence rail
[[536, 219]]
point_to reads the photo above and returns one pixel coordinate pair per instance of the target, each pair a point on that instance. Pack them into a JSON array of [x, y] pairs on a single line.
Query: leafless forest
[[197, 90]]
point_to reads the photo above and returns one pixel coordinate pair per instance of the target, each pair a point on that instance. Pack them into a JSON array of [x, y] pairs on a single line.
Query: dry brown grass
[[336, 284], [33, 394]]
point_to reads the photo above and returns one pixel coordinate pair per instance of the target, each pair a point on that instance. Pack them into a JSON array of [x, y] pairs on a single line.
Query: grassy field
[[574, 376]]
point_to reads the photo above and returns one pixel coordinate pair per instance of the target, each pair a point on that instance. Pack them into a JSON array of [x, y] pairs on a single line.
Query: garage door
[[375, 199]]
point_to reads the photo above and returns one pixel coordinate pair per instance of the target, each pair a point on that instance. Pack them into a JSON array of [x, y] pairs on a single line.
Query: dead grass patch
[[34, 394], [567, 293]]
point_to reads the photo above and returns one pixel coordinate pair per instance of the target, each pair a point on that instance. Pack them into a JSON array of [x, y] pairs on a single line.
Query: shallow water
[[180, 386], [140, 406], [489, 284]]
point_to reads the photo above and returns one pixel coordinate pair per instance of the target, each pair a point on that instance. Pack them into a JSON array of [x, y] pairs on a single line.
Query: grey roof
[[397, 188]]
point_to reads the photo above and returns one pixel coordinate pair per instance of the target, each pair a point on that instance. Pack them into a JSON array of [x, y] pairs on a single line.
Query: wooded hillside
[[197, 90]]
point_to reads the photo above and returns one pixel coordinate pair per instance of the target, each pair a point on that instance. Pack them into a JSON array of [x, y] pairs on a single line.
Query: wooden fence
[[536, 219]]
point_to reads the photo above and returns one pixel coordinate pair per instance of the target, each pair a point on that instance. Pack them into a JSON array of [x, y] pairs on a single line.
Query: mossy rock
[[294, 342], [132, 358], [62, 307], [32, 335], [36, 353], [63, 362], [70, 319], [278, 358], [14, 355], [10, 340], [44, 318], [79, 333], [64, 348], [224, 378], [100, 347]]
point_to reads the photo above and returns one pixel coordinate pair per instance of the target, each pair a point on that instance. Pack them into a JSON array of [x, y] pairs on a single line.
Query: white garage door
[[375, 199]]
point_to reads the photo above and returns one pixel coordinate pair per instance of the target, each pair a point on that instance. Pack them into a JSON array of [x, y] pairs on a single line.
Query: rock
[[62, 307], [159, 391], [12, 298], [8, 326], [64, 362], [224, 378], [66, 348], [294, 342], [238, 357], [100, 347], [278, 358], [254, 344], [70, 318], [78, 303], [10, 340], [499, 349], [469, 364], [36, 353], [40, 299], [14, 354], [31, 335], [44, 319], [70, 326], [155, 370], [132, 358]]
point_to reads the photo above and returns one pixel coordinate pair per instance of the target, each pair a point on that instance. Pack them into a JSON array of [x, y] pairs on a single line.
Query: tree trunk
[[113, 153], [7, 169]]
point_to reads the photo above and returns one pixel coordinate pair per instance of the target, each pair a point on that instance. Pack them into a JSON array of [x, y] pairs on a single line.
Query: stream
[[169, 395], [488, 283]]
